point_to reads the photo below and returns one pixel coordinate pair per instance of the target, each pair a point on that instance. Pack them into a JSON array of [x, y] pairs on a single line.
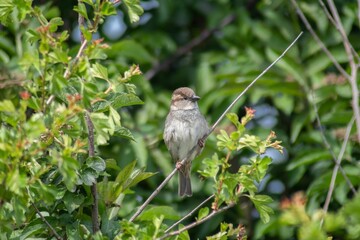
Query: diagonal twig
[[196, 147], [328, 147], [353, 66], [336, 168], [213, 213], [190, 213], [318, 40], [332, 20], [57, 236]]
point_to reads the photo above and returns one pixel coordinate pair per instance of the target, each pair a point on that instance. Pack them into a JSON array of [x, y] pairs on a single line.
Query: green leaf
[[96, 163], [6, 8], [211, 166], [81, 9], [7, 106], [297, 124], [309, 157], [72, 201], [260, 202], [100, 106], [55, 23], [99, 71], [124, 100], [137, 176], [151, 213], [134, 10], [108, 9], [102, 127], [88, 176], [124, 133], [203, 213], [125, 173], [311, 230], [234, 119], [262, 167], [132, 50]]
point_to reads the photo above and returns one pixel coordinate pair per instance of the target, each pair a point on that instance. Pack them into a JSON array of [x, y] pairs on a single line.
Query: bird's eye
[[185, 98]]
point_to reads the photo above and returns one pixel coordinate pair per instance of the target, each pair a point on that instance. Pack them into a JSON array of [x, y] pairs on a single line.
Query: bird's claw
[[178, 165], [201, 143]]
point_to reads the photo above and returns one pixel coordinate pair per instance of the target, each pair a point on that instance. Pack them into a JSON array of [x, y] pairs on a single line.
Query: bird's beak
[[195, 98]]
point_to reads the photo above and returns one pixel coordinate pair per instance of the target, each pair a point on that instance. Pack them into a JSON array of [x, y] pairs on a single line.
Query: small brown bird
[[185, 127]]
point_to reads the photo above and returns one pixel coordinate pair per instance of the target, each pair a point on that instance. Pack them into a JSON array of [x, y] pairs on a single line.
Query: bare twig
[[336, 168], [188, 47], [215, 212], [353, 66], [328, 147], [190, 213], [57, 236], [336, 26], [95, 209], [157, 190], [196, 147], [317, 39], [253, 82]]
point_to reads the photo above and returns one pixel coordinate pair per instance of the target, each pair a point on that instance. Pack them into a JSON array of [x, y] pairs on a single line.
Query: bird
[[185, 128]]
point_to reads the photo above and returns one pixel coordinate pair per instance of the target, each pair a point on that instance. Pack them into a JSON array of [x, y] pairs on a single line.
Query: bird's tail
[[184, 180]]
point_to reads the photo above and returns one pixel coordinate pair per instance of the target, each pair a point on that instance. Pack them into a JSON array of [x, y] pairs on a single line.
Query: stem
[[336, 169], [215, 212], [319, 42], [253, 82], [190, 213], [57, 236], [327, 145], [95, 209], [353, 66]]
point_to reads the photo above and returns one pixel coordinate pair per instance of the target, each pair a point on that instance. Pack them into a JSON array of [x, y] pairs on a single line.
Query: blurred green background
[[217, 47]]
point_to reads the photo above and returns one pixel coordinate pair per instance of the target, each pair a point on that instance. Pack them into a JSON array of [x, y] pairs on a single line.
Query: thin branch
[[190, 213], [205, 34], [327, 13], [196, 147], [317, 39], [328, 147], [332, 20], [353, 66], [253, 82], [57, 236], [215, 212], [95, 208], [336, 168], [152, 196]]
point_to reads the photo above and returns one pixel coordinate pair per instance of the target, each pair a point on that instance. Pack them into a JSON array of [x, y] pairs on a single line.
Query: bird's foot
[[201, 143], [178, 165]]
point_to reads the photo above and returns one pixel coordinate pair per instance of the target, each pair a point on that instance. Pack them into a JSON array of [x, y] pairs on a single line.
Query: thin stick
[[317, 39], [57, 236], [353, 66], [337, 27], [328, 147], [253, 82], [196, 147], [215, 212], [157, 190], [190, 213], [95, 208], [336, 169]]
